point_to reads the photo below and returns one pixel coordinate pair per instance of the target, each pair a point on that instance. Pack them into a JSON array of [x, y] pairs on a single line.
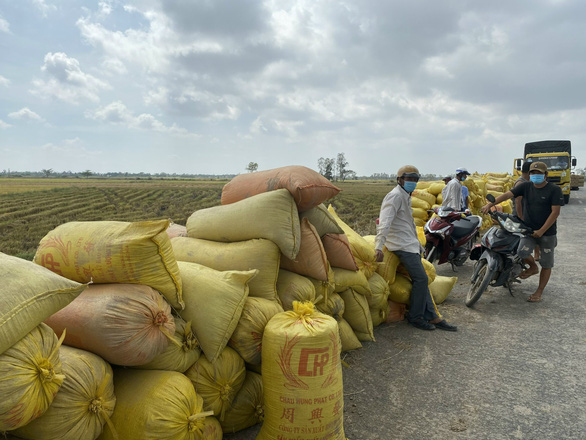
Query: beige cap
[[538, 166]]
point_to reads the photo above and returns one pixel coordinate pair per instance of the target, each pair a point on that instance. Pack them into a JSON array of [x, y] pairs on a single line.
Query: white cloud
[[117, 113], [4, 81], [25, 114], [4, 25], [67, 81], [44, 7], [4, 125]]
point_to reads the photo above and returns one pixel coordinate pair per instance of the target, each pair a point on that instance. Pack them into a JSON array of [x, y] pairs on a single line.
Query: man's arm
[[519, 202], [499, 199], [555, 212]]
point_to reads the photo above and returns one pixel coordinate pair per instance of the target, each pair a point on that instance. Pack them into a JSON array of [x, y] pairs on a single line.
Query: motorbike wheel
[[430, 252], [479, 286]]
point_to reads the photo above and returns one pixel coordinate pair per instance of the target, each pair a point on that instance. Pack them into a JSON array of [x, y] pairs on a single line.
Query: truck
[[557, 155]]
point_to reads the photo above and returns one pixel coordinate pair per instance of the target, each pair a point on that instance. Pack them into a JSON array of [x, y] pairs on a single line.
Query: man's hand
[[538, 233], [379, 255], [486, 208]]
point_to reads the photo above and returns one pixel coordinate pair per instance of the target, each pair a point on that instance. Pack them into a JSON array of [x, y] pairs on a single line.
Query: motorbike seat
[[464, 226]]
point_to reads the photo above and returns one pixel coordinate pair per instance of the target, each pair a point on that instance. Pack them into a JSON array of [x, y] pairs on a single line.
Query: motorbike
[[497, 263], [450, 236]]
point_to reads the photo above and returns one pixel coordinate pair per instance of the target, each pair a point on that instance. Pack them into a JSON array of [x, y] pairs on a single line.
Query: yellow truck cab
[[557, 155]]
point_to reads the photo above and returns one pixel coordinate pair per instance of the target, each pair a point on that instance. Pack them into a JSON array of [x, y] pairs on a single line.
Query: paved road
[[515, 370]]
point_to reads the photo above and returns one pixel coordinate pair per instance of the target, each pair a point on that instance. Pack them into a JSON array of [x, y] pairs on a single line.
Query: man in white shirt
[[452, 192], [396, 231]]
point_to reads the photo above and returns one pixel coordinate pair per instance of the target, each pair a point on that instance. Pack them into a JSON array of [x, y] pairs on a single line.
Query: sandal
[[534, 299]]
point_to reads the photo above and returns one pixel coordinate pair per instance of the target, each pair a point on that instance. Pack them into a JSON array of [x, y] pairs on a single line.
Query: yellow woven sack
[[155, 405], [294, 287], [388, 267], [218, 383], [357, 313], [380, 292], [441, 288], [420, 213], [424, 195], [507, 206], [436, 188], [481, 186], [422, 184], [114, 252], [400, 290], [248, 406], [84, 404], [419, 222], [30, 377], [420, 204], [378, 315], [272, 215], [347, 336], [349, 279], [498, 175], [260, 254], [333, 306], [440, 198], [181, 353], [311, 260], [302, 377], [30, 293], [213, 303], [323, 289], [247, 337], [421, 236], [362, 251], [322, 220]]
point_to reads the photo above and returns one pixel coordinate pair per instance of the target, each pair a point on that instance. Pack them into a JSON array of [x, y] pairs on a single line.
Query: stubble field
[[29, 208]]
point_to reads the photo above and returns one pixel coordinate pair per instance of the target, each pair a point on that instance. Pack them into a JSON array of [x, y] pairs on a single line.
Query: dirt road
[[514, 370]]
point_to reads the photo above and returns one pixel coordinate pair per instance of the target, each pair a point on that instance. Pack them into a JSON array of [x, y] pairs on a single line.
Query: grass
[[30, 208]]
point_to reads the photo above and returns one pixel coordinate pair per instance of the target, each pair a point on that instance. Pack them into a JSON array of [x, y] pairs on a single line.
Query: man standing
[[541, 207], [452, 193], [397, 232]]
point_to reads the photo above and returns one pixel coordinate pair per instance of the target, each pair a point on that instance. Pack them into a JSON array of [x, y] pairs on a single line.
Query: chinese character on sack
[[337, 408], [288, 414], [316, 415]]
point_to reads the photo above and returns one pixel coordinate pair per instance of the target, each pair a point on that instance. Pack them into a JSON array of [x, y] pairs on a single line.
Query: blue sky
[[202, 86]]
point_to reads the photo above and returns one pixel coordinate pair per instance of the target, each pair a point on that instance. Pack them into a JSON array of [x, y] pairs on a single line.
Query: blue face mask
[[462, 178], [409, 186], [537, 178]]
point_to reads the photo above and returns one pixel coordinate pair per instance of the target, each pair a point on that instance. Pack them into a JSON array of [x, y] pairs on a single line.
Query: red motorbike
[[450, 236]]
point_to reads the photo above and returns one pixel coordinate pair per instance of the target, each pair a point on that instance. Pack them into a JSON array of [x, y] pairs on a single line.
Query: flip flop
[[526, 274], [533, 299]]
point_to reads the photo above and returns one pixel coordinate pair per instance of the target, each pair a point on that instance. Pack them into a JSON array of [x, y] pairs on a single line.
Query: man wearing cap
[[542, 202], [452, 192], [397, 232]]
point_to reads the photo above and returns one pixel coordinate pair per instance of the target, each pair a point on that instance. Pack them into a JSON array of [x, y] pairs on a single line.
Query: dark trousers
[[421, 304]]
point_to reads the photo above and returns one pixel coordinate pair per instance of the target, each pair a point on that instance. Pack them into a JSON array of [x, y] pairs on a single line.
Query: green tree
[[86, 173], [47, 172], [252, 167], [341, 164]]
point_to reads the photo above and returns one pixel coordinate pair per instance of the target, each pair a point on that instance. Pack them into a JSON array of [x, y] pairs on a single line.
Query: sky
[[208, 86]]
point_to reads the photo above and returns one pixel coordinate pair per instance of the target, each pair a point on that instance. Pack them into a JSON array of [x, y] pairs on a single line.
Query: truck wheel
[[566, 199]]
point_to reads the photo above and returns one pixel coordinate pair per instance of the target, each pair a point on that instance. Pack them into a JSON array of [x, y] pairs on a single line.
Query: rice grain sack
[[260, 254], [114, 252], [247, 407], [126, 324], [338, 251], [30, 377], [332, 306], [213, 303], [84, 404], [322, 220], [181, 353], [348, 279], [272, 215], [362, 251], [380, 292], [218, 383], [302, 377], [30, 293], [294, 287], [424, 195], [419, 213], [247, 337], [436, 188], [427, 266], [156, 405], [311, 260], [400, 290], [347, 336], [441, 288], [357, 313], [420, 204], [395, 312], [307, 187]]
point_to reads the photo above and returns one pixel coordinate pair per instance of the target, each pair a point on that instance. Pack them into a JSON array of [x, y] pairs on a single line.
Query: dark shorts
[[546, 243]]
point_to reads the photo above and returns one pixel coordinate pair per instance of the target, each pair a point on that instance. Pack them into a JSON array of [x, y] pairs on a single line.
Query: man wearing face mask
[[452, 192], [397, 232], [542, 202]]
